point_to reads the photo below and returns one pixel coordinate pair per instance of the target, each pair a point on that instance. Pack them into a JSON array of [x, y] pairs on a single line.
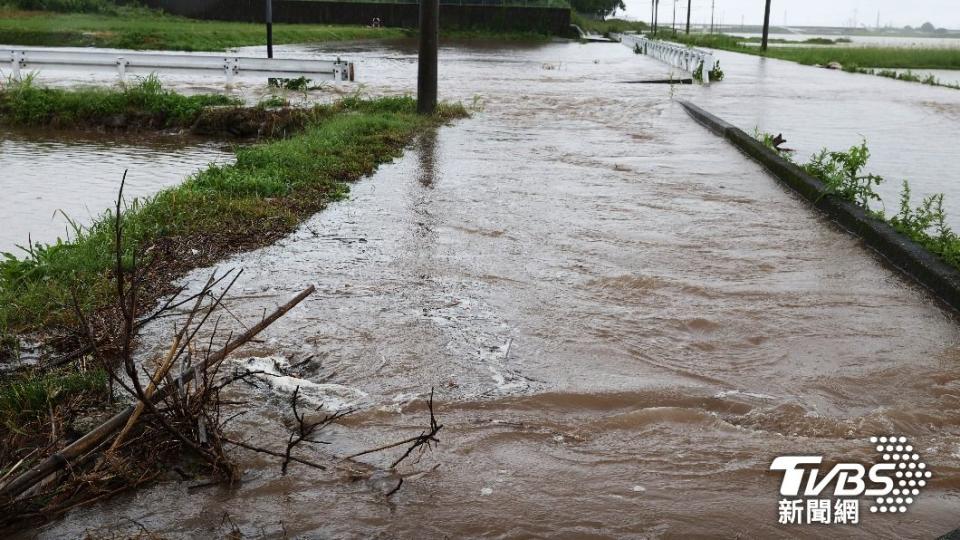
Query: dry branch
[[95, 438]]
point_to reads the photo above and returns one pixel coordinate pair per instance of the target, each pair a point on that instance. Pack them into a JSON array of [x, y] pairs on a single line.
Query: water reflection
[[51, 179]]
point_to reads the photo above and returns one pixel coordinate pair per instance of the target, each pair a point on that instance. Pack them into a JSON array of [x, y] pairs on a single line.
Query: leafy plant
[[273, 102], [841, 173], [716, 74], [698, 73], [300, 84]]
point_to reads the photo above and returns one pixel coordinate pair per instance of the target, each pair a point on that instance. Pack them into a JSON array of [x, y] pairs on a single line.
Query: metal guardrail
[[678, 56], [138, 63]]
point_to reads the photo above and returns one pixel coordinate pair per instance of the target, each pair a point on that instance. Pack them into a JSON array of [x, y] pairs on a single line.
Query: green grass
[[27, 104], [869, 57], [65, 6], [596, 26], [142, 29], [28, 397], [265, 194]]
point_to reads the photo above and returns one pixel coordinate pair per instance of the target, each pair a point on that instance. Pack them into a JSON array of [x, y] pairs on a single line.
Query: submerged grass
[[143, 29], [219, 210], [25, 103]]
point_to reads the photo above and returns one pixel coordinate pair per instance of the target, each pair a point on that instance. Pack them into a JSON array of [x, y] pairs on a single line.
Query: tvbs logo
[[833, 497]]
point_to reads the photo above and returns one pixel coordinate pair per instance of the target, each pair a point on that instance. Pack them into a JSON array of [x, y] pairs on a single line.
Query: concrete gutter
[[902, 252]]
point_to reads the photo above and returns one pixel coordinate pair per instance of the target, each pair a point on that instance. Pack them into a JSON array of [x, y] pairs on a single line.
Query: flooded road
[[625, 321], [49, 180]]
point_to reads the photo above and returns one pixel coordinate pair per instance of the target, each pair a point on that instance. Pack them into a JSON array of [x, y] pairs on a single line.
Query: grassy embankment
[[880, 61], [265, 194], [842, 172], [145, 104], [143, 29], [222, 209], [605, 27]]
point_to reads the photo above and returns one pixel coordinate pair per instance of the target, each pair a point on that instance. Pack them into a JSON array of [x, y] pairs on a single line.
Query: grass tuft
[[28, 397], [25, 103]]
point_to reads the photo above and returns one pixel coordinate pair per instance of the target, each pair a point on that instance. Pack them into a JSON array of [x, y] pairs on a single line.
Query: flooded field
[[861, 41], [624, 319], [50, 179]]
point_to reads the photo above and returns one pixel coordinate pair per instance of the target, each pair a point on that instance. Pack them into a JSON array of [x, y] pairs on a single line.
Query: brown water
[[50, 179], [625, 321]]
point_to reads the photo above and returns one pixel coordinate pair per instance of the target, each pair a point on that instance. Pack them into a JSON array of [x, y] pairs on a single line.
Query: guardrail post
[[16, 64], [340, 70], [122, 69], [231, 67]]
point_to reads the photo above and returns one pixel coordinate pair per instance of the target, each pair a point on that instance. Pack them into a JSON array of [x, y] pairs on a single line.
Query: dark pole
[[656, 17], [673, 24], [427, 62], [689, 4], [766, 26], [653, 16], [269, 28], [653, 9]]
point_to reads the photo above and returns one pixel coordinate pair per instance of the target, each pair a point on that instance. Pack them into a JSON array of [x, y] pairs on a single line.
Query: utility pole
[[689, 3], [427, 61], [269, 28], [653, 16], [766, 26], [673, 26], [656, 16]]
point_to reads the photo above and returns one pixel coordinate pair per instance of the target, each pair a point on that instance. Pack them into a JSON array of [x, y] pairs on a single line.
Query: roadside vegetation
[[606, 26], [73, 307], [143, 29], [24, 103], [842, 172], [222, 209], [146, 106], [882, 61]]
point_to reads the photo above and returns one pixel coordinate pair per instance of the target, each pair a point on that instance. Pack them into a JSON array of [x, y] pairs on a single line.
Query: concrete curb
[[905, 254]]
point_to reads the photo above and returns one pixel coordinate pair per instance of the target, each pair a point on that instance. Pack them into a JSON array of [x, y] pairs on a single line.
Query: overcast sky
[[942, 13]]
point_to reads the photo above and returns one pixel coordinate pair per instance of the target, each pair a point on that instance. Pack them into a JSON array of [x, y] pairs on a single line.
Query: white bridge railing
[[678, 56], [125, 63]]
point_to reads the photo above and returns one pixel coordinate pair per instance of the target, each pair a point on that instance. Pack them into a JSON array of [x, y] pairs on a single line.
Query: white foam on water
[[328, 397]]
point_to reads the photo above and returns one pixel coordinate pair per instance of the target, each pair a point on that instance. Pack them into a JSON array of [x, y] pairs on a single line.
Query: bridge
[[686, 58]]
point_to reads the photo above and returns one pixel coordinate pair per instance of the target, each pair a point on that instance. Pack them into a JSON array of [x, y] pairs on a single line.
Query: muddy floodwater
[[49, 179], [624, 319]]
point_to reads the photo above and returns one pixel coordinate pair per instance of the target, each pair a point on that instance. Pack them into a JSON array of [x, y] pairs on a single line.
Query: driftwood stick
[[160, 373], [93, 439], [283, 455]]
